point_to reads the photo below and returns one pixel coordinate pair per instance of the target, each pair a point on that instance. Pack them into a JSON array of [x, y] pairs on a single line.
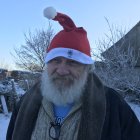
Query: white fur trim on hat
[[70, 54], [50, 12]]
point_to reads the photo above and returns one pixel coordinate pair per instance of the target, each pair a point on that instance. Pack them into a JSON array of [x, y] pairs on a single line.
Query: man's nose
[[62, 69]]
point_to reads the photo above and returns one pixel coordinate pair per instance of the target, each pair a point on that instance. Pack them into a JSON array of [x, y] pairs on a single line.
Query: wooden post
[[13, 86], [4, 105], [27, 84], [14, 94]]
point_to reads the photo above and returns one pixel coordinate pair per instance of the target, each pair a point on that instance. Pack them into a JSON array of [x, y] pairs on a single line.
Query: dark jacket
[[105, 115]]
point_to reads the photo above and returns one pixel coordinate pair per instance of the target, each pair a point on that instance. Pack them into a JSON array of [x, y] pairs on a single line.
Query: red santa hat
[[71, 42]]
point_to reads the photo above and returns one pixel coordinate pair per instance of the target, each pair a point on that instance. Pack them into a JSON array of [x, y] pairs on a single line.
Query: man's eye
[[55, 61], [73, 63]]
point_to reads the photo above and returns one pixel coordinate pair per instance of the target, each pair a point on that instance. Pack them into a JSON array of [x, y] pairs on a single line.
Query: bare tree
[[117, 63], [31, 55]]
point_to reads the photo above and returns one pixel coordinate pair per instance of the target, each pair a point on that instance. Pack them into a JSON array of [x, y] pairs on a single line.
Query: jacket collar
[[93, 110]]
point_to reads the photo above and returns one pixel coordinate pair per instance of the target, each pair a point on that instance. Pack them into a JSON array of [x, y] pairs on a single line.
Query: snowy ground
[[136, 109], [4, 120]]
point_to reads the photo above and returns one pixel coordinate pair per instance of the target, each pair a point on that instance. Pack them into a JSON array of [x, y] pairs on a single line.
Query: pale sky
[[18, 17]]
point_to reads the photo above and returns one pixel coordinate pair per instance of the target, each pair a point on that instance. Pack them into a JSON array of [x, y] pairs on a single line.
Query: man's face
[[64, 72], [63, 81]]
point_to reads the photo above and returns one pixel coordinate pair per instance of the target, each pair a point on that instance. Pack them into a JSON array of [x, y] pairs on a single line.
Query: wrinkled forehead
[[60, 59]]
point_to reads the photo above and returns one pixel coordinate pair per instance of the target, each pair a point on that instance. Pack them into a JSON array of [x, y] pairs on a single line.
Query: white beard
[[66, 96]]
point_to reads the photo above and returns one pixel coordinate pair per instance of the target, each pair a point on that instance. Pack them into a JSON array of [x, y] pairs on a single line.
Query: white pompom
[[50, 12]]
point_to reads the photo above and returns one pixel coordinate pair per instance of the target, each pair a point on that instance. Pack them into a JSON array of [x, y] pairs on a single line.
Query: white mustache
[[63, 78]]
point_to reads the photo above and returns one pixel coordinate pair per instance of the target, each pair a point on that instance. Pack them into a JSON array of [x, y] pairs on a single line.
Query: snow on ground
[[136, 109], [4, 120]]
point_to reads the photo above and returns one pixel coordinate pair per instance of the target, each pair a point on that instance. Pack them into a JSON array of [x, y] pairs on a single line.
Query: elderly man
[[70, 102]]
